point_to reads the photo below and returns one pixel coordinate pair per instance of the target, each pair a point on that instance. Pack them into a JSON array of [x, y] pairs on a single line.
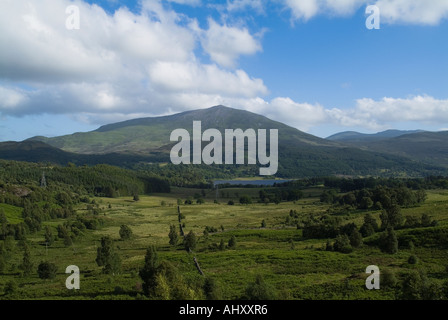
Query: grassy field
[[298, 270]]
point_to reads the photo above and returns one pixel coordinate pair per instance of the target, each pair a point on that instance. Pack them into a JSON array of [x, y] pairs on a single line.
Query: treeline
[[99, 180], [378, 198]]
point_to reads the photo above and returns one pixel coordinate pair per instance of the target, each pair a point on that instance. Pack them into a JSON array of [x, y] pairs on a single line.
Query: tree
[[355, 239], [173, 235], [11, 287], [245, 199], [232, 242], [211, 289], [222, 245], [148, 273], [2, 257], [125, 232], [27, 264], [426, 220], [412, 286], [413, 259], [342, 244], [388, 279], [49, 238], [47, 270], [107, 257], [391, 217], [190, 241], [389, 241], [260, 290]]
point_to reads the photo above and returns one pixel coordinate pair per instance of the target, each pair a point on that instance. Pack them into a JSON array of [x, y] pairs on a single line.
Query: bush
[[388, 279], [245, 199], [125, 232], [47, 270], [413, 259], [259, 290], [342, 244]]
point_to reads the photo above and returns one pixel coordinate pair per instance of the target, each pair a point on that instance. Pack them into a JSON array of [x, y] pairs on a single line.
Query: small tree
[[222, 245], [232, 242], [389, 241], [2, 257], [27, 264], [412, 286], [388, 279], [107, 257], [391, 217], [260, 290], [342, 244], [355, 239], [173, 235], [148, 273], [125, 232], [370, 226], [245, 199], [211, 289], [413, 259], [47, 270], [49, 237], [190, 241]]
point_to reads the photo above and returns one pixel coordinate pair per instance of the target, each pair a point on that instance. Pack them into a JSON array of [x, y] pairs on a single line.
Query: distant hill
[[356, 137], [141, 136], [147, 140], [37, 151]]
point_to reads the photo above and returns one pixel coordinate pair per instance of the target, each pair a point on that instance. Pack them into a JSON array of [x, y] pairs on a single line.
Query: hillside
[[147, 140], [428, 147], [357, 137]]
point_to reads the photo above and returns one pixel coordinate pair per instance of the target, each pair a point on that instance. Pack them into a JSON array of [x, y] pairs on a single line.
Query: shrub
[[47, 270]]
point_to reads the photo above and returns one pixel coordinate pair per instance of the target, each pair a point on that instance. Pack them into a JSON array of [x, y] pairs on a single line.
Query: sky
[[72, 66]]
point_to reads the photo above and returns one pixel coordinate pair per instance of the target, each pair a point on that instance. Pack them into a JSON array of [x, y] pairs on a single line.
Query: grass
[[305, 271]]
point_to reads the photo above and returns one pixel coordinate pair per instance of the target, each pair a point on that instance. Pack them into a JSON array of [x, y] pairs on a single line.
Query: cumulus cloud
[[119, 63], [392, 11], [225, 44]]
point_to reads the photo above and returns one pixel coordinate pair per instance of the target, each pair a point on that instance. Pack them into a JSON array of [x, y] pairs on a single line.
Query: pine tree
[[173, 235], [27, 264], [355, 239], [148, 273], [190, 241], [389, 241], [232, 242], [107, 257], [49, 238]]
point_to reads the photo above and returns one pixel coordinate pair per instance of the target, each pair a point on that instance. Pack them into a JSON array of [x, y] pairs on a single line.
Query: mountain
[[356, 137], [428, 147], [146, 135], [147, 140]]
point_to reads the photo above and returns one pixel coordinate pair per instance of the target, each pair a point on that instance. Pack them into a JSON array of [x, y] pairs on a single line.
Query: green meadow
[[295, 267]]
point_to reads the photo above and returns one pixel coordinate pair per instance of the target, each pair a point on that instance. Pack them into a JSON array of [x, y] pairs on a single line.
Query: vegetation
[[285, 249]]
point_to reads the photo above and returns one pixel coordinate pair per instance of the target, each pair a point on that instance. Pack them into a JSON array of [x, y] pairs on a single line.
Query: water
[[266, 182]]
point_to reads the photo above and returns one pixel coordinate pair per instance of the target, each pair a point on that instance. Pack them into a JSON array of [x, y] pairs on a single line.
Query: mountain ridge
[[146, 140]]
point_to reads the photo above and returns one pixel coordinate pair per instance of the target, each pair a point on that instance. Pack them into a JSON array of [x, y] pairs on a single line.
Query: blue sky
[[310, 64]]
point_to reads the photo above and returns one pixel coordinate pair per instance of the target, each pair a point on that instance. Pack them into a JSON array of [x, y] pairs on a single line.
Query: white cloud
[[120, 63], [236, 5], [392, 11], [413, 11], [225, 44]]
